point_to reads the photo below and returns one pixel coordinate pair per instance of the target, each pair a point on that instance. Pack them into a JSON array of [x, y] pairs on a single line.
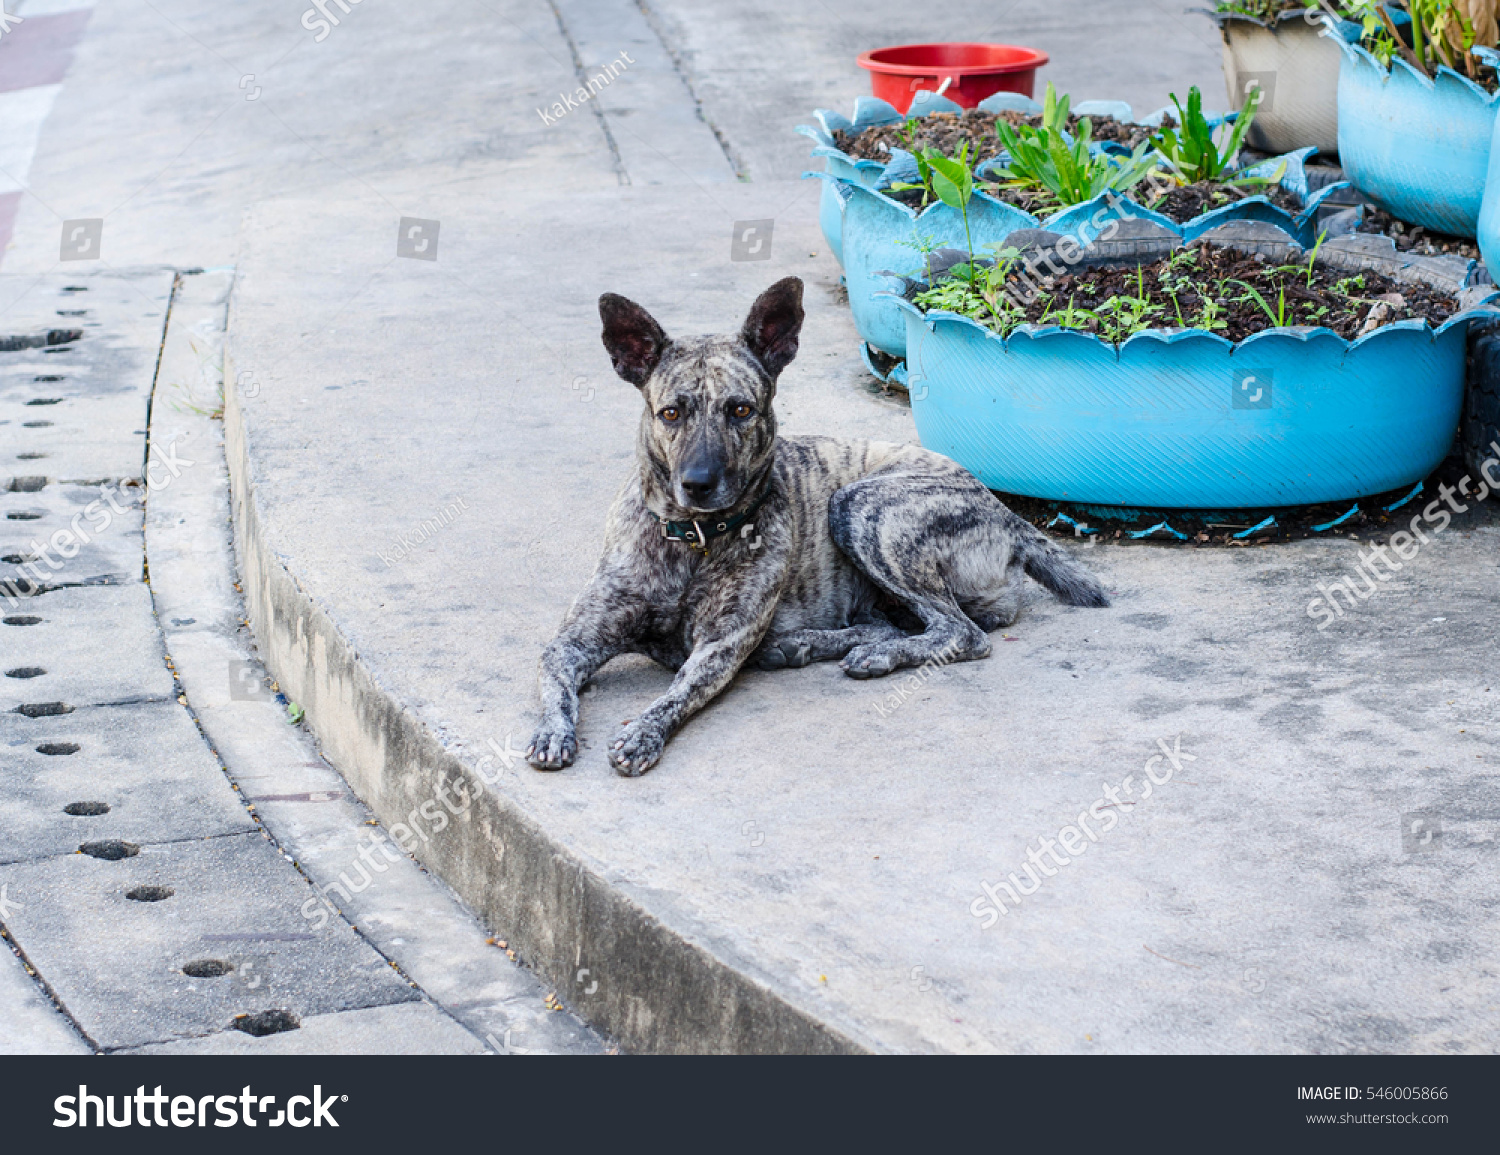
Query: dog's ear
[[774, 322], [634, 340]]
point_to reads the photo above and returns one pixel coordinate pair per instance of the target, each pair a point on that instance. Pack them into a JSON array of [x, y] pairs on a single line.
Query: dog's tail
[[1048, 563]]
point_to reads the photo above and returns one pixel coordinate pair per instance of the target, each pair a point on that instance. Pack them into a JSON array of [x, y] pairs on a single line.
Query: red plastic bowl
[[972, 71]]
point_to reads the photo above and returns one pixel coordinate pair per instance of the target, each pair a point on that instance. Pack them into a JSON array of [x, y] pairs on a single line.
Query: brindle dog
[[729, 544]]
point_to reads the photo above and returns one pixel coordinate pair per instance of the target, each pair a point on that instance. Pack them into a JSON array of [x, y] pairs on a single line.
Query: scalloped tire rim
[[1063, 416]]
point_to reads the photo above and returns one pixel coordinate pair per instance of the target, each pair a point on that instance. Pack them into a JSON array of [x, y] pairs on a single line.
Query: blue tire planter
[[1161, 422], [1418, 147], [877, 233], [869, 112], [1489, 208]]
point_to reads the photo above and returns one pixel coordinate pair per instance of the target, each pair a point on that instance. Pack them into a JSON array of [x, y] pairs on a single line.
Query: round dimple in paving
[[207, 968], [149, 893], [22, 620], [111, 849], [25, 672], [264, 1023], [86, 809], [44, 709], [58, 749]]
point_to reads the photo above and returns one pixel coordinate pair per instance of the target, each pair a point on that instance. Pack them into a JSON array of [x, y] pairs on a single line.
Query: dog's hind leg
[[998, 608], [802, 647], [927, 534]]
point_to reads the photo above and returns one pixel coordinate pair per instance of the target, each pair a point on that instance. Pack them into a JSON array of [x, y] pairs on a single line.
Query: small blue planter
[[1418, 147], [878, 233], [1188, 420], [869, 112]]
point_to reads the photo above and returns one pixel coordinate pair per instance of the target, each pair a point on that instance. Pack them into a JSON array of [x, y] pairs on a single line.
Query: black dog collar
[[699, 533]]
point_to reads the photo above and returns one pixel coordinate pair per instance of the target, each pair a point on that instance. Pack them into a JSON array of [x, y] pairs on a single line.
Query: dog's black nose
[[698, 481]]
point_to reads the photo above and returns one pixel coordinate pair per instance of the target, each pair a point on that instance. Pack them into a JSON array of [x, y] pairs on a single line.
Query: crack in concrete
[[658, 26], [579, 72]]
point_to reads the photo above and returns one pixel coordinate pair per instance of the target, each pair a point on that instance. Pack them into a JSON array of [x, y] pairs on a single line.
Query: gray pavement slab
[[29, 1023], [147, 762], [100, 526], [1262, 900], [654, 125], [94, 646], [117, 963], [402, 1029], [100, 383]]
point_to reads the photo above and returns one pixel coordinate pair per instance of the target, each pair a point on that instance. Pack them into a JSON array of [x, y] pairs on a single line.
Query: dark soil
[[945, 131], [1266, 10], [1411, 238], [1189, 201], [1180, 204], [1320, 302]]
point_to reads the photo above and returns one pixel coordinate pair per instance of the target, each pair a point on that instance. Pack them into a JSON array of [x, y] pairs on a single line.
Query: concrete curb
[[666, 994]]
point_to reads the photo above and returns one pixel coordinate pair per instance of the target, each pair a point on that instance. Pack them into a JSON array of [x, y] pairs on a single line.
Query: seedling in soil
[[1202, 287], [951, 180], [1193, 148], [1268, 10], [1041, 160]]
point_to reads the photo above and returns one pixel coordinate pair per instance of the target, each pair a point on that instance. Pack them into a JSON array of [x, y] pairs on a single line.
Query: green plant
[[1278, 316], [1268, 10], [1440, 33], [950, 180], [1196, 149], [1041, 159]]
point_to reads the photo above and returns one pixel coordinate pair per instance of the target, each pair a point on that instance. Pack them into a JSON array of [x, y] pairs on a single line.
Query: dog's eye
[[669, 414], [743, 411]]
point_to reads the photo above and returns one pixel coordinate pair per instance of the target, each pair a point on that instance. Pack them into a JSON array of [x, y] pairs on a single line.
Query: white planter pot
[[1296, 65]]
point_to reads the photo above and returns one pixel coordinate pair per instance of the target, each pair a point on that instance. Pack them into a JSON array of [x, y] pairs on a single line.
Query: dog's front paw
[[553, 748], [637, 749], [872, 661]]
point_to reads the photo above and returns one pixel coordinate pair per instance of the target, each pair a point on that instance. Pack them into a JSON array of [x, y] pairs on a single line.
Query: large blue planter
[[1418, 147], [878, 234], [1171, 421]]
